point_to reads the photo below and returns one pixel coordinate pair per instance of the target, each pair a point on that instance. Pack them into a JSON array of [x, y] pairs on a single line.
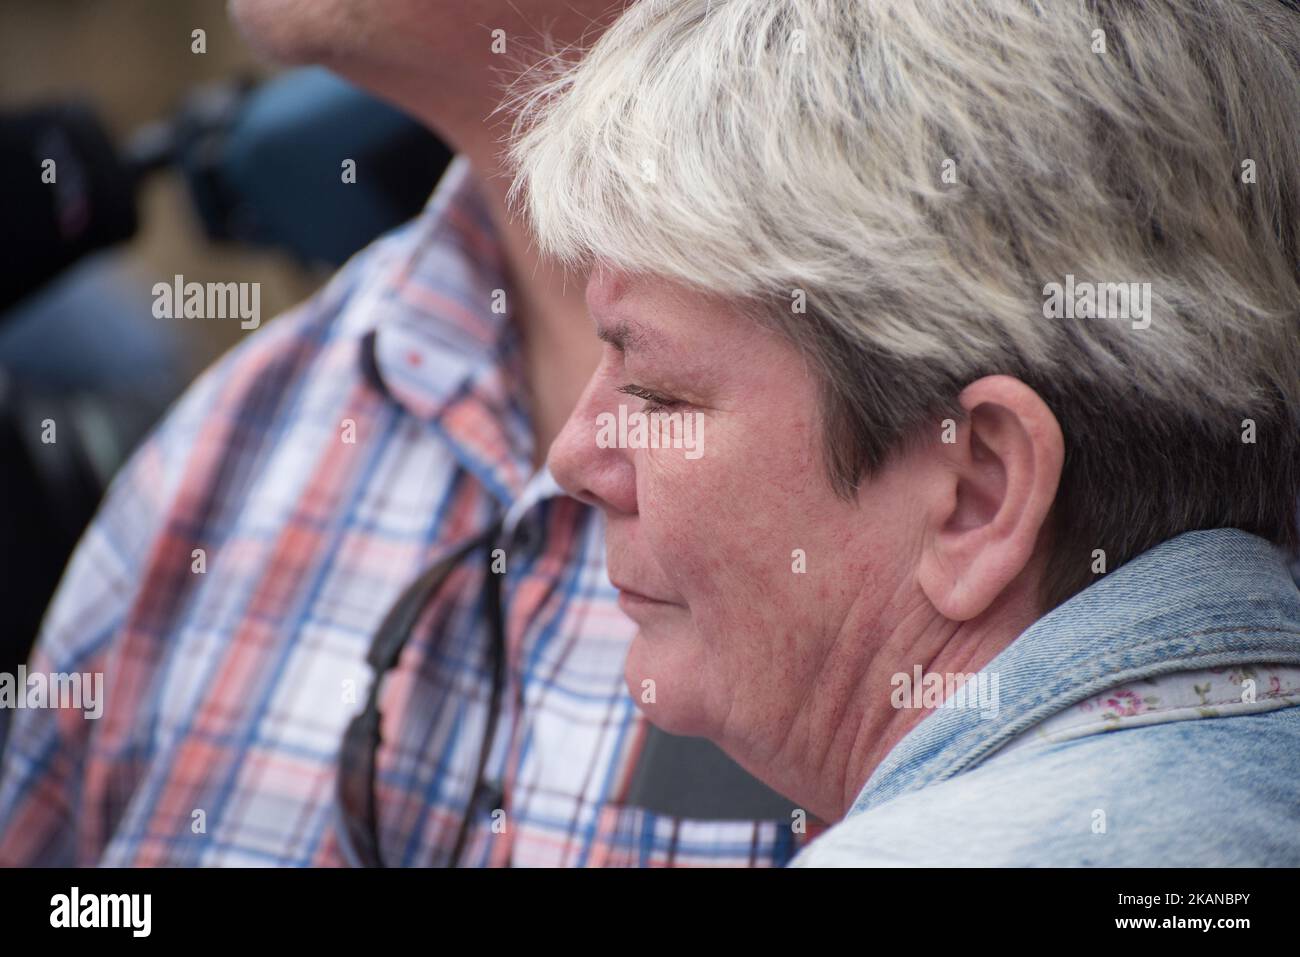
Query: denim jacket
[[1143, 781]]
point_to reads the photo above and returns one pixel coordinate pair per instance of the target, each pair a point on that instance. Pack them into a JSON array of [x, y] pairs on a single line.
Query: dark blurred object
[[50, 491], [263, 164], [78, 343], [46, 226]]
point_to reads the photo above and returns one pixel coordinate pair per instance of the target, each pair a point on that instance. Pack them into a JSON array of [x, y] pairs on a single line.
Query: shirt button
[[493, 796], [528, 536]]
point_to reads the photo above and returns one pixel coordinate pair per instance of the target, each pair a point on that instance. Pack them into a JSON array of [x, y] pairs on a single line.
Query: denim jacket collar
[[1204, 599]]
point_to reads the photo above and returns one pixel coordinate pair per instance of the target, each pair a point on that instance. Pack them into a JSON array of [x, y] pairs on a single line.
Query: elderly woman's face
[[753, 584]]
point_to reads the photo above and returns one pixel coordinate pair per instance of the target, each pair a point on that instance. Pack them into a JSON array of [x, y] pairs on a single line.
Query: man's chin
[[289, 32]]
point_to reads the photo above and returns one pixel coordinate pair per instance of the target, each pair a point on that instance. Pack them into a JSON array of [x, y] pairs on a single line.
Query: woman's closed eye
[[654, 401]]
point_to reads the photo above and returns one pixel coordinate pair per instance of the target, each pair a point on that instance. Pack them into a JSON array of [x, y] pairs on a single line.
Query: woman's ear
[[999, 478]]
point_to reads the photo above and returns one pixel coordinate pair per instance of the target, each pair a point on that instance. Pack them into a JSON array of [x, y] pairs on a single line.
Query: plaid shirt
[[243, 559]]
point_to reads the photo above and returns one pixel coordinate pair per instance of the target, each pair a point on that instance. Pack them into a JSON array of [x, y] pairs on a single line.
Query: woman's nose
[[603, 477]]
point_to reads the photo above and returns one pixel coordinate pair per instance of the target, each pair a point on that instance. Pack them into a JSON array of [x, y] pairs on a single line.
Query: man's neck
[[560, 350], [549, 308]]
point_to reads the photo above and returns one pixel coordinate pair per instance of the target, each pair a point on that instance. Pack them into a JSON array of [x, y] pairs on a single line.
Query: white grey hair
[[754, 148]]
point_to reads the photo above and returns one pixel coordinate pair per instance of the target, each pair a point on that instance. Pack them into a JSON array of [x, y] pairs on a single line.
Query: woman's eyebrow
[[623, 335]]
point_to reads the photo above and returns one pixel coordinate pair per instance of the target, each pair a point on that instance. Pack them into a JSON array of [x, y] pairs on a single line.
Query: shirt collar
[[1203, 599], [443, 344]]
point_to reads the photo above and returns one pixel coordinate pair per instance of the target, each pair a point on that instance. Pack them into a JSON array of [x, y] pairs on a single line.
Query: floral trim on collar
[[1179, 696]]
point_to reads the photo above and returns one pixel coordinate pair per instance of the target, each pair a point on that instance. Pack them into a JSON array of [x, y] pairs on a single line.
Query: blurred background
[[169, 162], [131, 61]]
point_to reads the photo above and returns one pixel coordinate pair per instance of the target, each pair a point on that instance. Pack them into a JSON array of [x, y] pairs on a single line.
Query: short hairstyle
[[919, 172]]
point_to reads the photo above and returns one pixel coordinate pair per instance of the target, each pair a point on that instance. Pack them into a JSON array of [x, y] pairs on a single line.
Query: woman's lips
[[630, 598], [637, 607]]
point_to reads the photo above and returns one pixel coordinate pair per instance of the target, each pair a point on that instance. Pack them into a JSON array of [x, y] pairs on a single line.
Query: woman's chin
[[667, 692]]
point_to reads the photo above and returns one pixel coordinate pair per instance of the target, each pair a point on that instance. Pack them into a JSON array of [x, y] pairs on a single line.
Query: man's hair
[[917, 172]]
